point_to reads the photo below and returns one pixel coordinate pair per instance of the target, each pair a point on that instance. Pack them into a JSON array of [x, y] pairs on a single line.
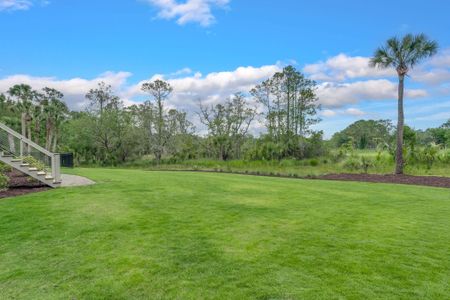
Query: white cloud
[[342, 112], [354, 112], [440, 116], [434, 72], [342, 67], [442, 59], [328, 113], [10, 5], [433, 77], [347, 80], [184, 71], [190, 11], [333, 94], [74, 89], [211, 88], [188, 89]]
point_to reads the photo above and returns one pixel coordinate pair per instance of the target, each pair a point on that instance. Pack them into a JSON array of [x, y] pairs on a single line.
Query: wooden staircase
[[28, 157]]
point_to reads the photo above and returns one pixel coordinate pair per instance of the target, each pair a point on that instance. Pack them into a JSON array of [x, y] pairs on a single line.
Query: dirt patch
[[390, 178], [21, 184]]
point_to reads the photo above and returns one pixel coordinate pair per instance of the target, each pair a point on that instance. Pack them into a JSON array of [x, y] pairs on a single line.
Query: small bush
[[4, 182], [352, 163], [34, 162], [445, 157], [4, 168], [362, 163], [313, 162], [428, 155], [366, 163]]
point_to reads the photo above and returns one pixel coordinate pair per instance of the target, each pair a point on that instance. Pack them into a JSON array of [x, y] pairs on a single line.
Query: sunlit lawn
[[166, 235]]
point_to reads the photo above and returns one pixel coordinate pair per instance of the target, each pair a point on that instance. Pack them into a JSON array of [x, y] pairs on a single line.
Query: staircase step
[[41, 173], [32, 169], [25, 165], [48, 178], [16, 160]]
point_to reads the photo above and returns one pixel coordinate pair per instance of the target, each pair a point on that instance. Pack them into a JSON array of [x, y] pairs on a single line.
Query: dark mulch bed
[[391, 178], [21, 184]]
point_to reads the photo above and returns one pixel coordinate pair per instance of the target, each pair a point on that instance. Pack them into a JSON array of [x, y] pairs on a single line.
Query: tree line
[[376, 134], [108, 133]]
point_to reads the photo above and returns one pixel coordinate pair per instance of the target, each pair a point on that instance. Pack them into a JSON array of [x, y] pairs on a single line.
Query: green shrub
[[366, 163], [4, 182], [362, 163], [4, 168], [352, 163], [445, 157], [313, 162], [34, 162], [428, 155]]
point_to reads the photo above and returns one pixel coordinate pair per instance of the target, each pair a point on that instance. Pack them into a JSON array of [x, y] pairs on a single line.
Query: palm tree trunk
[[37, 130], [400, 124], [23, 121], [12, 146], [48, 134], [30, 136], [55, 141]]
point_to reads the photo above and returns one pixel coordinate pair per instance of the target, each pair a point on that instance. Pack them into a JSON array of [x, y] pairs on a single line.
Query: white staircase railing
[[21, 147]]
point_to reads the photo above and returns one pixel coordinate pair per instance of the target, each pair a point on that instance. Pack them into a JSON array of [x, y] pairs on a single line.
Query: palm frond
[[381, 58], [405, 52]]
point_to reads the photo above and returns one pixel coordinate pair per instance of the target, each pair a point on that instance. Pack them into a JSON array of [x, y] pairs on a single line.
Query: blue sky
[[209, 49]]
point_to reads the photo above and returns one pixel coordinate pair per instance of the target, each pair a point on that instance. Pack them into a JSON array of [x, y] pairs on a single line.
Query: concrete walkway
[[74, 180]]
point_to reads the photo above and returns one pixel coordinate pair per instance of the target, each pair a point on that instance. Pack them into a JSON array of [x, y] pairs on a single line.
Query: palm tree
[[7, 115], [60, 114], [403, 54], [24, 95], [55, 111]]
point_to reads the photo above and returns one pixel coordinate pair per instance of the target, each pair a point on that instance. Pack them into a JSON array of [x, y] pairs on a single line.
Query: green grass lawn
[[177, 235]]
